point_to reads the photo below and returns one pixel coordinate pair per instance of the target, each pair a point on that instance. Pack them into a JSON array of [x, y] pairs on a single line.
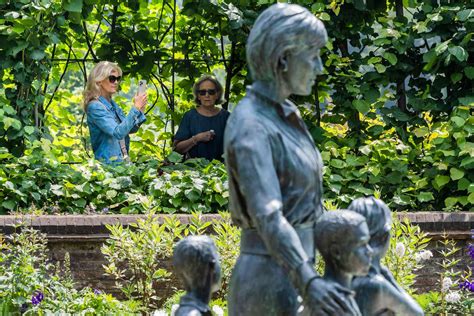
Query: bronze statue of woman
[[275, 173]]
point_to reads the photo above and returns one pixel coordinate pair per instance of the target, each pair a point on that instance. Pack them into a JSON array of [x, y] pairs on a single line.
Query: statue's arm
[[398, 301]]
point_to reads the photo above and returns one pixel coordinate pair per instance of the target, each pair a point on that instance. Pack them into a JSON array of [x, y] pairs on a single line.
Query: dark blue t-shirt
[[194, 123]]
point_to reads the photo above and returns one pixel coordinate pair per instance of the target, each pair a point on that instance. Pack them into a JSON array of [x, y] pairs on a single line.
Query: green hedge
[[432, 171]]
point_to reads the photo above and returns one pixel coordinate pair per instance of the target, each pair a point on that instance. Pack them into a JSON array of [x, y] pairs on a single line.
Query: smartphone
[[141, 86]]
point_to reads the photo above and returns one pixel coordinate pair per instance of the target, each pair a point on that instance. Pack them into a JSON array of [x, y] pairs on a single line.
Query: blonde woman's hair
[[100, 72]]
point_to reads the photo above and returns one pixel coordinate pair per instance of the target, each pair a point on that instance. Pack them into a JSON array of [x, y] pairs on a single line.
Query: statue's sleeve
[[251, 160]]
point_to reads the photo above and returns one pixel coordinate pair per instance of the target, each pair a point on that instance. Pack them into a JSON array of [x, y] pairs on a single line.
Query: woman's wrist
[[193, 139]]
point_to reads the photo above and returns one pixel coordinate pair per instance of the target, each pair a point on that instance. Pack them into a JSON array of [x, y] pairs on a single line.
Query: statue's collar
[[191, 301], [286, 108]]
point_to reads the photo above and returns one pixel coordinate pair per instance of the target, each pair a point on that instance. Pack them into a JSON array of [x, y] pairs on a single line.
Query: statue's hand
[[327, 298]]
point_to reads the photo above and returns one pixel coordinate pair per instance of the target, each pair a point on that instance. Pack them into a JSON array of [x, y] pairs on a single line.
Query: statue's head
[[283, 47], [342, 238], [379, 220], [196, 261]]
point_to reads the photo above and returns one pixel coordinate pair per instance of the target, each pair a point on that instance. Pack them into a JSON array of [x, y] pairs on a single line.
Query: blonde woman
[[108, 126]]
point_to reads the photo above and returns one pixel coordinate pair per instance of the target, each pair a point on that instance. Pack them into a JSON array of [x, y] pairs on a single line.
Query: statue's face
[[303, 67], [359, 254]]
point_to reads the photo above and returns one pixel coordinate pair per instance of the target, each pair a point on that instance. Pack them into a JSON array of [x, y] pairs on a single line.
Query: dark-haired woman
[[201, 132]]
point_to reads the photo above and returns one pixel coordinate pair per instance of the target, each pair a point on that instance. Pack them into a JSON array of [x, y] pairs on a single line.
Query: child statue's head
[[342, 238], [379, 220], [196, 261]]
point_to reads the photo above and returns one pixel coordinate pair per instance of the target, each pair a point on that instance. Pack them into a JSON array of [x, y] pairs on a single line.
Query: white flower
[[400, 249], [423, 255], [453, 297], [446, 284], [426, 254], [217, 310], [174, 308], [159, 312]]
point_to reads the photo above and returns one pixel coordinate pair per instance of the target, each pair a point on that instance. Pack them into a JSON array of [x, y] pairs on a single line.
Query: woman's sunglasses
[[112, 79], [210, 91]]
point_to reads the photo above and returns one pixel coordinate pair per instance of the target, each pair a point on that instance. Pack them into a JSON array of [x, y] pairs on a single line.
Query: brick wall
[[82, 237]]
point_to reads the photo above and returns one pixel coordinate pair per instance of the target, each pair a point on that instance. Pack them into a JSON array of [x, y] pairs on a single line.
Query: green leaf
[[469, 71], [324, 16], [425, 196], [450, 202], [174, 157], [440, 181], [361, 106], [221, 200], [72, 5], [421, 131], [12, 51], [470, 198], [374, 60], [392, 58], [441, 47], [456, 174], [459, 121], [465, 15], [463, 184], [29, 130], [380, 68], [459, 52], [430, 59], [456, 77], [9, 204], [469, 100], [337, 163], [192, 195], [111, 194], [37, 54], [467, 162], [11, 122]]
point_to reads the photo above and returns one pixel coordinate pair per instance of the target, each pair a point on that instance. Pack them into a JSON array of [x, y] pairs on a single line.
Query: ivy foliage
[[44, 185]]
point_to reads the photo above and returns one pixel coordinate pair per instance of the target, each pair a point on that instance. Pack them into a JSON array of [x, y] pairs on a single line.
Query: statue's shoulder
[[372, 283]]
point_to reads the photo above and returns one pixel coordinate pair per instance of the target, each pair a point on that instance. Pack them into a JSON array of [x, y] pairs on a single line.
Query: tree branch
[[59, 83]]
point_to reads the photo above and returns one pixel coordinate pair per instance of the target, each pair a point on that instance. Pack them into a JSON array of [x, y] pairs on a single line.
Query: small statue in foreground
[[378, 293], [196, 262], [342, 238]]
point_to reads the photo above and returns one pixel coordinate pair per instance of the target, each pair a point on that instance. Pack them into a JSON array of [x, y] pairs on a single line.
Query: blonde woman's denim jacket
[[107, 125]]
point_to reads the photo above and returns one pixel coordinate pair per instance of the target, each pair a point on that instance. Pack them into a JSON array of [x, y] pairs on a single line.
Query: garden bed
[[83, 235]]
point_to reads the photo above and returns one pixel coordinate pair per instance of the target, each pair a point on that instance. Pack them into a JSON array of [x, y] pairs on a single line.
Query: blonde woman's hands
[[140, 101]]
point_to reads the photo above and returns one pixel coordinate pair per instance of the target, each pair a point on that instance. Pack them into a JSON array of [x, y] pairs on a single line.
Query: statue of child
[[196, 262], [342, 238], [378, 293]]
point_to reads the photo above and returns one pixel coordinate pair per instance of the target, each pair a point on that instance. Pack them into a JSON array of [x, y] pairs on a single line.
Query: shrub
[[31, 285]]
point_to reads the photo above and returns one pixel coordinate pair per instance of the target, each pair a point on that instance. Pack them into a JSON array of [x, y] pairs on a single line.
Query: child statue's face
[[358, 256]]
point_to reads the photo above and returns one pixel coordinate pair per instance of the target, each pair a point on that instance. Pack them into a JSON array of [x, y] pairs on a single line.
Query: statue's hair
[[336, 228], [279, 30], [219, 88], [100, 72], [375, 211], [191, 257]]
